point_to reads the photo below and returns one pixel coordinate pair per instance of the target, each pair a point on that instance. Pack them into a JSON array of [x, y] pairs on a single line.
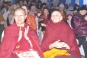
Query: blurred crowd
[[39, 14]]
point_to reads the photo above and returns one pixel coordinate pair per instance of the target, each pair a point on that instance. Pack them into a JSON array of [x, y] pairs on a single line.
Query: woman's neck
[[21, 25]]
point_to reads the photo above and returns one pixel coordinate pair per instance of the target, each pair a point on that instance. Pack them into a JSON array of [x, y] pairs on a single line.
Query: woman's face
[[61, 8], [83, 12], [86, 17], [26, 10], [56, 16], [14, 6], [45, 11], [19, 17]]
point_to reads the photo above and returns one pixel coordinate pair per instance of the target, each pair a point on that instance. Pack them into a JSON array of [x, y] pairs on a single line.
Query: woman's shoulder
[[66, 26], [12, 26]]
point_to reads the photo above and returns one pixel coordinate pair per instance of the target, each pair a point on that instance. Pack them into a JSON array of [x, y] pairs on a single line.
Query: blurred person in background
[[79, 26]]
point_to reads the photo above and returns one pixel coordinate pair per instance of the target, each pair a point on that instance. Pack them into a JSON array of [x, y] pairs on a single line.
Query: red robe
[[10, 39], [45, 18], [60, 31]]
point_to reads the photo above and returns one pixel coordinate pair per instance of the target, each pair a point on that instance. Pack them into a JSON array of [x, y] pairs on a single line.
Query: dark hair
[[39, 1], [45, 8], [44, 3], [5, 2], [19, 8], [48, 12], [76, 5], [83, 8], [25, 6], [15, 3]]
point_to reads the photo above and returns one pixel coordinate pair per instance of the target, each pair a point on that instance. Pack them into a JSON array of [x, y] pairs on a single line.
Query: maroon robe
[[10, 39], [45, 18], [60, 31]]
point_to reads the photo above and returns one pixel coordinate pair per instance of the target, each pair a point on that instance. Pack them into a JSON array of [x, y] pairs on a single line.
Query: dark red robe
[[60, 31], [10, 39]]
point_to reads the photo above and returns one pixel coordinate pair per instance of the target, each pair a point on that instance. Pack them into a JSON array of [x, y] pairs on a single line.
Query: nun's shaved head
[[19, 9]]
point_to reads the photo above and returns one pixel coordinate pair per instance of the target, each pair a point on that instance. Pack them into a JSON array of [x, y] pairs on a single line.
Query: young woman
[[20, 40], [59, 35]]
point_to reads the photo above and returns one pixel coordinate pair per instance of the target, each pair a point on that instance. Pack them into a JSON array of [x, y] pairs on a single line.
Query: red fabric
[[10, 41], [45, 18], [59, 31], [31, 21]]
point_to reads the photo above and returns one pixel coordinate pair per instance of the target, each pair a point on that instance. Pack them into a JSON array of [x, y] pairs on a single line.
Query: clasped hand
[[25, 33], [58, 44]]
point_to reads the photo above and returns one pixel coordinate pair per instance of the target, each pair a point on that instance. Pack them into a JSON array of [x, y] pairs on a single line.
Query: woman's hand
[[26, 33], [27, 37], [58, 44], [53, 44], [20, 35], [66, 46]]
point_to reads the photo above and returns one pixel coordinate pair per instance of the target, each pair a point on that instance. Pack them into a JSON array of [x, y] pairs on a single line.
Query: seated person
[[60, 37], [20, 40], [11, 14], [79, 26], [30, 20], [62, 11]]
